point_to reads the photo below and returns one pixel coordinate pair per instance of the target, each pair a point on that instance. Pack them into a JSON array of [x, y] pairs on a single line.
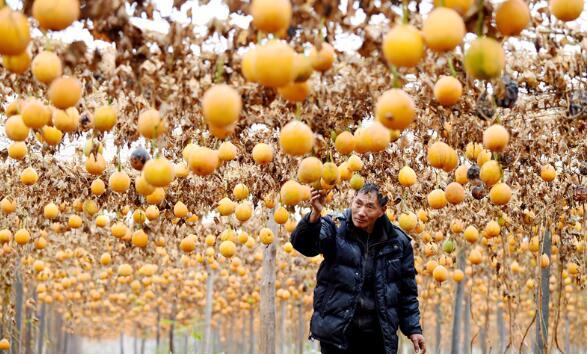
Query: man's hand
[[418, 341], [317, 203]]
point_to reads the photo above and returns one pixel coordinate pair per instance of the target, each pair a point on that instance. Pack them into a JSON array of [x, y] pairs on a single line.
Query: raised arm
[[314, 234]]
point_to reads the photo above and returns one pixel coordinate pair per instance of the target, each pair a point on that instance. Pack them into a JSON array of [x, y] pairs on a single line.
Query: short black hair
[[369, 188]]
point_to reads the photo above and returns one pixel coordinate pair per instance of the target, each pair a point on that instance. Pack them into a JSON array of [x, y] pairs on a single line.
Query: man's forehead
[[367, 196]]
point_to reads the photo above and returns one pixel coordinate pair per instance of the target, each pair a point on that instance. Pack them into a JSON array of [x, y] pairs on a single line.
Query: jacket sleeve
[[311, 239], [408, 309]]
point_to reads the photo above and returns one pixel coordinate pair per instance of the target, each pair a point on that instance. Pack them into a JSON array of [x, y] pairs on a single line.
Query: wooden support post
[[251, 330], [121, 342], [207, 347], [29, 314], [172, 329], [501, 329], [467, 325], [41, 333], [282, 331], [18, 300], [301, 328], [458, 306], [438, 327], [158, 340], [542, 301], [267, 332]]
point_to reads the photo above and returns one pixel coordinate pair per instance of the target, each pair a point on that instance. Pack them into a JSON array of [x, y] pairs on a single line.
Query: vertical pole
[[283, 308], [267, 332], [458, 306], [252, 330], [567, 334], [438, 333], [542, 301], [121, 342], [29, 325], [172, 328], [207, 347], [136, 339], [501, 328], [41, 334], [158, 330], [18, 295], [301, 329], [467, 325], [65, 342]]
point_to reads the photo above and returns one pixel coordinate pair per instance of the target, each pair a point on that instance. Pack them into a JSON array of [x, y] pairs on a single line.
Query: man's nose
[[361, 212]]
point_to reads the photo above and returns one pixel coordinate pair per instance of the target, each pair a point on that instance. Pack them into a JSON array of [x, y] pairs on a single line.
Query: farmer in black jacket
[[366, 286]]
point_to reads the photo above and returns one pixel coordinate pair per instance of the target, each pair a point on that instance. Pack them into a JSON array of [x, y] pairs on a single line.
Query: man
[[366, 286]]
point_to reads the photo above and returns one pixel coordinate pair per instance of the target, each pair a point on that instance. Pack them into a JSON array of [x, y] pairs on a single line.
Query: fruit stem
[[405, 12], [298, 110], [479, 26], [219, 70], [330, 155], [119, 166], [451, 66], [396, 81]]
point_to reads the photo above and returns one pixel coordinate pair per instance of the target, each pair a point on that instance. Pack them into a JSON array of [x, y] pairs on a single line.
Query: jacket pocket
[[326, 299], [392, 269]]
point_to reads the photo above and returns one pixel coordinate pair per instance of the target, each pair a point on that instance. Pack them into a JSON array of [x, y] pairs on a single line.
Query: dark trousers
[[359, 343]]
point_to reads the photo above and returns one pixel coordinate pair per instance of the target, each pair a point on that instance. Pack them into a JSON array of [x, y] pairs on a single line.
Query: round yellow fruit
[[512, 17], [262, 154], [406, 176], [274, 64], [14, 32], [567, 10], [15, 128], [56, 14], [266, 236], [460, 6], [221, 105], [17, 64], [65, 92], [395, 109], [104, 118], [159, 172], [119, 182], [150, 124], [17, 150], [310, 170], [203, 161], [46, 67], [295, 91], [403, 46], [227, 249], [443, 29], [437, 199], [485, 59], [296, 138], [448, 90], [345, 143], [271, 16], [322, 59]]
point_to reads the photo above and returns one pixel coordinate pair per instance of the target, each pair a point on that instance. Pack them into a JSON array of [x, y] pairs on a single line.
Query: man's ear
[[382, 211]]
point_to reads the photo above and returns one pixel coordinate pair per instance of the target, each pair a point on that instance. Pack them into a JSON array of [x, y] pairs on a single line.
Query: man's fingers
[[416, 346], [422, 347]]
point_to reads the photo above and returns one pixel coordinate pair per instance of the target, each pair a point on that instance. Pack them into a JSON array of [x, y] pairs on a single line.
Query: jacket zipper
[[364, 263]]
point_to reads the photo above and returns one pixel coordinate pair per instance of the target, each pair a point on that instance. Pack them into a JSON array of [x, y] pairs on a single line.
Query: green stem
[[479, 27], [406, 12], [298, 110], [330, 155], [119, 165], [451, 66], [219, 70], [396, 77]]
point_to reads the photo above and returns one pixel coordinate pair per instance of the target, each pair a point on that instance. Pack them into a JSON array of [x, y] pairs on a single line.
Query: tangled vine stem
[[526, 333]]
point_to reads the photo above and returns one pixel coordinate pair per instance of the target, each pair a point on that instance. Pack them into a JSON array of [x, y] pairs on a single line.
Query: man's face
[[366, 210]]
